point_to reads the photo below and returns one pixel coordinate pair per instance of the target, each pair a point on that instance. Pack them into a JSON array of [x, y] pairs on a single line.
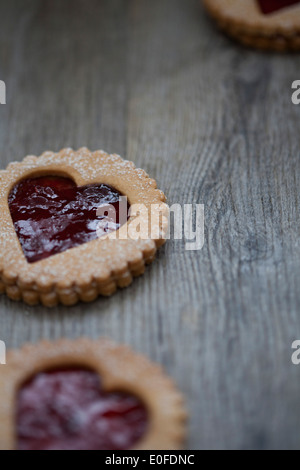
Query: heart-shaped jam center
[[269, 6], [66, 409], [51, 214]]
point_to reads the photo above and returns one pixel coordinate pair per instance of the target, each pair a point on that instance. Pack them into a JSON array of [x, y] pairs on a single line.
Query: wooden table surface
[[214, 123]]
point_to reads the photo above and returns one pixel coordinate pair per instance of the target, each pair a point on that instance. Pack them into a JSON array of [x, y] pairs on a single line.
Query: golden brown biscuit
[[259, 23]]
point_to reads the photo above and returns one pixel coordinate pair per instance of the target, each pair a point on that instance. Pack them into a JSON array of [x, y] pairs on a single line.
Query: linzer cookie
[[87, 395], [264, 24], [75, 225]]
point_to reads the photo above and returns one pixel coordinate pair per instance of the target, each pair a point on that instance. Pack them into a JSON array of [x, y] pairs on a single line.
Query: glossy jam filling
[[270, 6], [51, 214], [67, 410]]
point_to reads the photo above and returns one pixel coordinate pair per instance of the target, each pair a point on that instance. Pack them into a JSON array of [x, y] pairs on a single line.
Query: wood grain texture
[[214, 124]]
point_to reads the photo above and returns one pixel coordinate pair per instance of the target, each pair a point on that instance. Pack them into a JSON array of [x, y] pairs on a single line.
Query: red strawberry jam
[[51, 214], [68, 410], [269, 6]]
